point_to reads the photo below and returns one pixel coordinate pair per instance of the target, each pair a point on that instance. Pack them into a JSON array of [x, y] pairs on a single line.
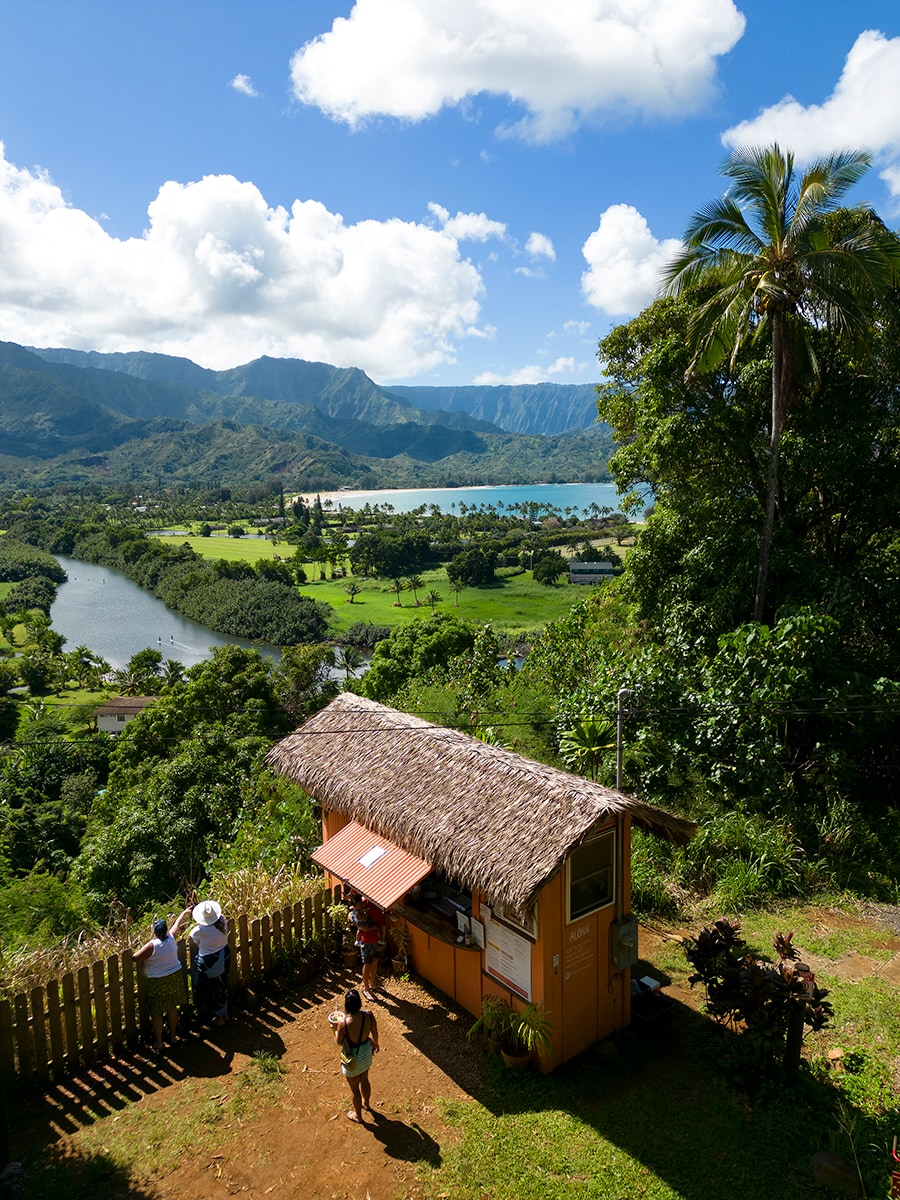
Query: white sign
[[372, 857], [507, 957]]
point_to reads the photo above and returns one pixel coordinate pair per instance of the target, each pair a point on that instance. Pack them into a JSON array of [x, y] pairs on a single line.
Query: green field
[[515, 604]]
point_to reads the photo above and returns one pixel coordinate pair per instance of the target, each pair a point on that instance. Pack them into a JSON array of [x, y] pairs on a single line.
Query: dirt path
[[283, 1139]]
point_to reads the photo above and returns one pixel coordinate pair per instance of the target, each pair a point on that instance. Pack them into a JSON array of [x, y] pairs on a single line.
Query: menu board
[[507, 957]]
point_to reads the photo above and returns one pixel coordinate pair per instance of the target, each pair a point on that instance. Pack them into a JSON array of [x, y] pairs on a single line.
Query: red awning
[[372, 865]]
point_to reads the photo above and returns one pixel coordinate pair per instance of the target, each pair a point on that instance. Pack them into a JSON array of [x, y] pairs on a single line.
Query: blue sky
[[437, 191]]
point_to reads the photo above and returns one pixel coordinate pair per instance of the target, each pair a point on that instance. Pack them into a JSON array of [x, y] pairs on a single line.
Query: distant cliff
[[545, 408]]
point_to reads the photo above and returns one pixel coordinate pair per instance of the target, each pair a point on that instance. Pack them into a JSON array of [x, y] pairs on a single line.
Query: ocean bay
[[561, 496]]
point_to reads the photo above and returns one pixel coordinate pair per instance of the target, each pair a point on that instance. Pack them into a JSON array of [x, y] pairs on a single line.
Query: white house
[[114, 715]]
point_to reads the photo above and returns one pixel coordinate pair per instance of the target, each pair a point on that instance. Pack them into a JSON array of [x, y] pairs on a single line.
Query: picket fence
[[100, 1010]]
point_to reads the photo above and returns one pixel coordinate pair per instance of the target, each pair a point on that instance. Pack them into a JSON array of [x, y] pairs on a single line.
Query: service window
[[591, 882]]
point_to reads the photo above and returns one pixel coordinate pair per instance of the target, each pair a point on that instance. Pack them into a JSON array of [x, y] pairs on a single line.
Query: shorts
[[369, 951]]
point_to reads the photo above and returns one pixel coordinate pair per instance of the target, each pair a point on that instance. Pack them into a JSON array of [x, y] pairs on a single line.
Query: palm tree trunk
[[765, 546]]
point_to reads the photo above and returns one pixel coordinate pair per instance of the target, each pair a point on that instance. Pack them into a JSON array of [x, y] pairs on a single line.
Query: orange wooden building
[[512, 877]]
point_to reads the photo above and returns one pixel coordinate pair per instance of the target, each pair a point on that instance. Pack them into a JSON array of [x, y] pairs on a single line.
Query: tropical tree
[[413, 583], [348, 659], [587, 744], [773, 264], [432, 598], [352, 590]]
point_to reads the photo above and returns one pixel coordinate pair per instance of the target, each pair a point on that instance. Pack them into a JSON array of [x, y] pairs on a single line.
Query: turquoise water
[[549, 495]]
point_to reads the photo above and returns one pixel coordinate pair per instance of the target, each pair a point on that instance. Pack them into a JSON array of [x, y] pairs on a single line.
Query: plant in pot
[[402, 944], [526, 1033], [345, 932], [493, 1023]]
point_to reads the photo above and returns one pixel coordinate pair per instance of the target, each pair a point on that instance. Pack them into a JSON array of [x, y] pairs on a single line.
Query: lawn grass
[[515, 604], [682, 1116]]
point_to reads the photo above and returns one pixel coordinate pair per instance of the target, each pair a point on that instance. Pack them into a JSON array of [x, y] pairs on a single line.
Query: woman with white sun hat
[[211, 957]]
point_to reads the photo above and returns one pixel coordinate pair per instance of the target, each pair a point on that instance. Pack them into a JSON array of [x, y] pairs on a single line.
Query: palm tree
[[434, 597], [413, 583], [352, 590], [777, 271], [397, 586], [348, 659]]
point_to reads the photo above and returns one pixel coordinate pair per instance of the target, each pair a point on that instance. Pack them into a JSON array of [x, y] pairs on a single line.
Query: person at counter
[[369, 921]]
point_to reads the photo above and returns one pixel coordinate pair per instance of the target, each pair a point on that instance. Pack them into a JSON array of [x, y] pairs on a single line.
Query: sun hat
[[207, 912]]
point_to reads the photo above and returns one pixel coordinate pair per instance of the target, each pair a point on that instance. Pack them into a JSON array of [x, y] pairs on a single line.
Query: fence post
[[54, 1024], [244, 948], [70, 1021], [100, 1010], [115, 1002], [84, 1012], [265, 942], [255, 956], [23, 1042], [39, 1034], [287, 931], [7, 1047], [129, 998]]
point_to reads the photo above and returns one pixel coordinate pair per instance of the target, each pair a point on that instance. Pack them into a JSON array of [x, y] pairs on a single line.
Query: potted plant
[[402, 943], [493, 1023], [526, 1033], [345, 931]]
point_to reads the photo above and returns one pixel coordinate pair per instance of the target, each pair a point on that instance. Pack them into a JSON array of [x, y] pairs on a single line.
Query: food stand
[[512, 877]]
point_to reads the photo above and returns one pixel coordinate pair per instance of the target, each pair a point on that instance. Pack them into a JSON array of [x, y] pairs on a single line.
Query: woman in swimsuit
[[357, 1036]]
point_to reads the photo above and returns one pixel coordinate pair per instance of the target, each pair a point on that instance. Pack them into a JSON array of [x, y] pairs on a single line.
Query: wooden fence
[[101, 1009]]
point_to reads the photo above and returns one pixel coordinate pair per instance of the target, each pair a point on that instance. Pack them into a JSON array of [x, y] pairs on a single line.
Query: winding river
[[103, 609]]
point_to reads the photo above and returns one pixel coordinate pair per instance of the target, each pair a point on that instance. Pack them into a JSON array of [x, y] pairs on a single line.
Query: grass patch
[[636, 1125], [514, 604]]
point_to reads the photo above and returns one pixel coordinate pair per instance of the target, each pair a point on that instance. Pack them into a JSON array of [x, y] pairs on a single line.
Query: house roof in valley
[[487, 818], [124, 704]]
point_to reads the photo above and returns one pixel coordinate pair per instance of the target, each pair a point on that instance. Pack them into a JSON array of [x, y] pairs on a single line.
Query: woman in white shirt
[[211, 956], [166, 984]]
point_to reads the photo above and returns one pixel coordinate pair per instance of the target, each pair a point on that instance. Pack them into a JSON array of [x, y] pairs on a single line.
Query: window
[[121, 718], [591, 876]]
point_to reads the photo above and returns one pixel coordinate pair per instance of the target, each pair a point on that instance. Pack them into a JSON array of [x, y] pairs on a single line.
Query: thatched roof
[[486, 818]]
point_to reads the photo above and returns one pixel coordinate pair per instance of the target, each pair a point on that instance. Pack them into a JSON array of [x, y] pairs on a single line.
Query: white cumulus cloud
[[540, 246], [531, 374], [222, 277], [624, 262], [863, 112], [244, 85], [467, 227], [562, 62]]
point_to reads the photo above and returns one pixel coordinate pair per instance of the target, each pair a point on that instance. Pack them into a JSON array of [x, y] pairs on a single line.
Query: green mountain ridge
[[61, 422]]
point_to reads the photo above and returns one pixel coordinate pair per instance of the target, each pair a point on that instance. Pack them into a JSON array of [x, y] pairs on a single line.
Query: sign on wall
[[507, 957]]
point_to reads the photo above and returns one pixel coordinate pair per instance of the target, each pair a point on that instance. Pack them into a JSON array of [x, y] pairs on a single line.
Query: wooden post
[[115, 1003], [100, 1009], [265, 941], [130, 1000], [255, 956], [70, 1021], [84, 1012], [39, 1035], [233, 975], [244, 949], [7, 1048], [277, 939], [287, 931], [308, 930], [23, 1041], [54, 1025]]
